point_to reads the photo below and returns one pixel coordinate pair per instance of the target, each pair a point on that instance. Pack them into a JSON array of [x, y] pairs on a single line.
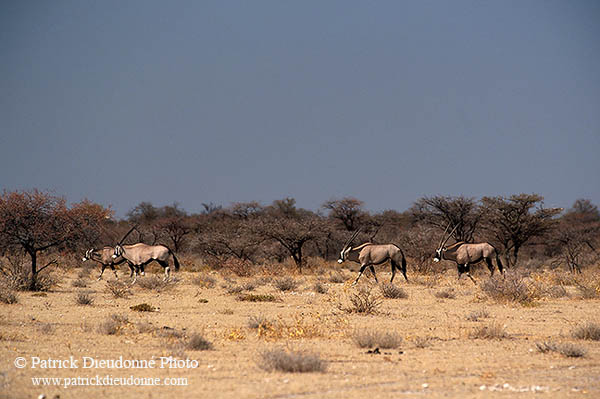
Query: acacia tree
[[34, 222], [231, 233], [349, 211], [291, 227], [512, 222], [441, 212], [577, 230]]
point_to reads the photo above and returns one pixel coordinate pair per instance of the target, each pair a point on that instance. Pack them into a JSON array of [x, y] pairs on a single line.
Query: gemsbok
[[139, 255], [369, 255], [465, 255], [104, 257]]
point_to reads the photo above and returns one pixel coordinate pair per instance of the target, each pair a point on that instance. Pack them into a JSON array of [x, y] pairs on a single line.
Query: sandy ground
[[437, 358]]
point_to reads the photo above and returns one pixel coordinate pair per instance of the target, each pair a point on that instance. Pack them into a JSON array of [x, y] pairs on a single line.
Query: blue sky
[[228, 101]]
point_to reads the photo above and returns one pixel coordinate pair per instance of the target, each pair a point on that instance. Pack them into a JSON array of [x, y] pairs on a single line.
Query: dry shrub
[[422, 342], [565, 349], [16, 274], [446, 293], [337, 277], [205, 280], [113, 325], [376, 339], [144, 327], [157, 283], [490, 331], [257, 298], [509, 288], [389, 290], [197, 342], [478, 314], [79, 283], [285, 283], [118, 289], [234, 289], [239, 267], [556, 291], [46, 328], [291, 361], [143, 307], [588, 286], [263, 280], [235, 334], [427, 281], [248, 286], [299, 328], [363, 301], [589, 331], [320, 288], [8, 296], [170, 334], [258, 321], [84, 298]]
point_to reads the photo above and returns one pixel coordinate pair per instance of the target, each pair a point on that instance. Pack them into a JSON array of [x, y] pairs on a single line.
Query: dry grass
[[114, 325], [46, 328], [491, 331], [446, 293], [143, 307], [257, 298], [8, 296], [422, 341], [84, 298], [291, 361], [478, 314], [205, 280], [79, 283], [298, 328], [16, 274], [510, 288], [588, 331], [588, 286], [144, 327], [258, 321], [118, 289], [156, 283], [376, 339], [197, 342], [286, 283], [363, 301], [390, 291], [320, 288], [565, 349], [337, 277], [234, 289]]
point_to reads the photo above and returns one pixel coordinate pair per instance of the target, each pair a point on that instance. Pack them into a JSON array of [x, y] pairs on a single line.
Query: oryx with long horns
[[139, 255], [369, 255], [104, 257], [465, 254]]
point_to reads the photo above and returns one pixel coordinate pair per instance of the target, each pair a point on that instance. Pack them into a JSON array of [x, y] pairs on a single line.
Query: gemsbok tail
[[175, 260], [403, 263], [500, 266]]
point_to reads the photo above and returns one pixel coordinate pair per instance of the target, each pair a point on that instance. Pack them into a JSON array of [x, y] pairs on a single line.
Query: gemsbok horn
[[369, 255], [465, 255]]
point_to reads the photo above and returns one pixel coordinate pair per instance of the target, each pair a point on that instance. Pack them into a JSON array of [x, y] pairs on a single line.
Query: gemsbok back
[[465, 255], [139, 255], [369, 255]]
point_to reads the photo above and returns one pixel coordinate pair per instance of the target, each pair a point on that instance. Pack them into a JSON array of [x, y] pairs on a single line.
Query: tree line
[[246, 234]]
